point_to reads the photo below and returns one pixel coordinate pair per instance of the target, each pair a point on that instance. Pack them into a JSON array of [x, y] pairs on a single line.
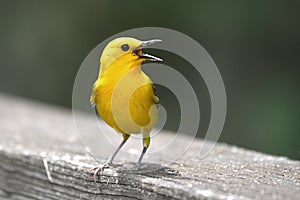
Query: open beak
[[138, 50]]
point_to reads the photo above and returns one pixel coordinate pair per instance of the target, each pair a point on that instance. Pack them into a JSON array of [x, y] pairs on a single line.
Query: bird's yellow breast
[[124, 98]]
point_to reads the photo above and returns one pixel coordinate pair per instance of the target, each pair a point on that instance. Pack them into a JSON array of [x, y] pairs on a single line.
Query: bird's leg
[[138, 164], [108, 164], [125, 138], [146, 143]]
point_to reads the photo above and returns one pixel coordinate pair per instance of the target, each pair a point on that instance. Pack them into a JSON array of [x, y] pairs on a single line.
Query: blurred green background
[[255, 44]]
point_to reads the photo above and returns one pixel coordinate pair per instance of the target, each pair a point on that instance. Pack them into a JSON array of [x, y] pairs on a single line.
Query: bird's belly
[[128, 114]]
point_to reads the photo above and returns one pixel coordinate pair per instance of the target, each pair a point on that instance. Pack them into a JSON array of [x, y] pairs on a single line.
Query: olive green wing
[[156, 99], [92, 98]]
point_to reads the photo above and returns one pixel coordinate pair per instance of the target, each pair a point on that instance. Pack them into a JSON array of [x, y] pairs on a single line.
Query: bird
[[123, 95]]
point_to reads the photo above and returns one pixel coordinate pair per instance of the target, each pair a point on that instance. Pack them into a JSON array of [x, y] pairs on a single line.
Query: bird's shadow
[[149, 169]]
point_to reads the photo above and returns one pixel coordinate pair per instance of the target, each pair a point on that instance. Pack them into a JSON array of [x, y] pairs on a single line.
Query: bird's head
[[126, 50]]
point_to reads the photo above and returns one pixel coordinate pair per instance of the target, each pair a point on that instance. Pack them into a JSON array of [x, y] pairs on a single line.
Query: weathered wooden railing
[[41, 158]]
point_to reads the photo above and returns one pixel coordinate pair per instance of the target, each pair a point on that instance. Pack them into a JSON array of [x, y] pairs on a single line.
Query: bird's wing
[[92, 98], [156, 99]]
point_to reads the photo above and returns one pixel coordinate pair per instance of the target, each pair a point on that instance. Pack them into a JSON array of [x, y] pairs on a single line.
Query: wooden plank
[[41, 158]]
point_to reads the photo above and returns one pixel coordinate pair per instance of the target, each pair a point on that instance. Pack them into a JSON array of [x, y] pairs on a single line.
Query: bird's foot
[[100, 168], [136, 167]]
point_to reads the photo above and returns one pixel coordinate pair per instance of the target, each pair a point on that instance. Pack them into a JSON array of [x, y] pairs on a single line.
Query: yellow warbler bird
[[123, 95]]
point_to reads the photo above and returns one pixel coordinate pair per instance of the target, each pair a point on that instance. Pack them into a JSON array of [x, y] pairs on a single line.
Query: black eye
[[125, 47]]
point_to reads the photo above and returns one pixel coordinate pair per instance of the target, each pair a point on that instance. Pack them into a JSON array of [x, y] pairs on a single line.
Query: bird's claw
[[136, 167], [99, 169]]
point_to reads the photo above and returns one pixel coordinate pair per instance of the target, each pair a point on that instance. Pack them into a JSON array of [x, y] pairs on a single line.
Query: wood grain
[[41, 158]]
